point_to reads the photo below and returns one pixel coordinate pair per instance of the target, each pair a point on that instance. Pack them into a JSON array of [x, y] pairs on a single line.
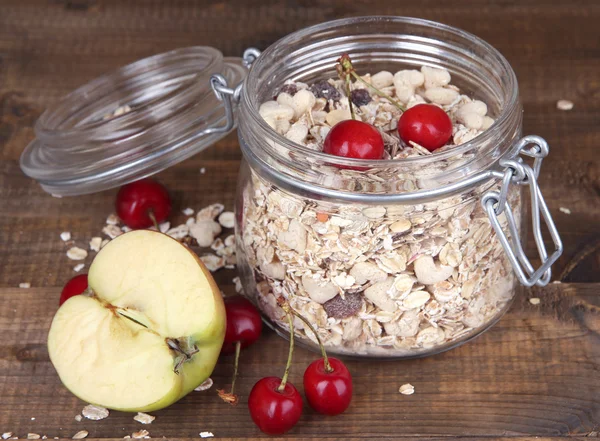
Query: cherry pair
[[424, 124], [276, 405]]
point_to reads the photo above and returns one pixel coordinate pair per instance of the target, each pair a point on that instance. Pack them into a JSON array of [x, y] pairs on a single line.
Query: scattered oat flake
[[407, 389], [207, 384], [78, 418], [112, 231], [141, 434], [226, 219], [81, 434], [92, 412], [44, 437], [213, 263], [144, 418], [564, 105], [202, 170], [206, 435], [7, 435], [76, 253], [33, 436], [95, 243], [565, 210], [25, 285], [534, 301], [78, 267], [112, 219], [65, 236], [188, 211]]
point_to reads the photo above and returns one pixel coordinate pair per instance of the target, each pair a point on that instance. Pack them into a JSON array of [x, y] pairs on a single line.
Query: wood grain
[[536, 373]]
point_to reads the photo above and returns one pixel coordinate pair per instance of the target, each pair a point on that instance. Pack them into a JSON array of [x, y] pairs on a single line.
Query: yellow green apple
[[147, 331]]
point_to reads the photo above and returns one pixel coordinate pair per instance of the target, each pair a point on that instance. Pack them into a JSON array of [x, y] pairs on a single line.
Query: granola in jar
[[376, 279]]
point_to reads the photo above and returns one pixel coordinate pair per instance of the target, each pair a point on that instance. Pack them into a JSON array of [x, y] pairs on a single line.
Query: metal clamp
[[229, 96], [495, 203]]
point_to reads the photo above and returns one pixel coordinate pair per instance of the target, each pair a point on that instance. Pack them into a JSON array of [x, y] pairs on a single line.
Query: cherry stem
[[230, 397], [344, 75], [153, 219], [288, 365], [347, 67], [328, 367]]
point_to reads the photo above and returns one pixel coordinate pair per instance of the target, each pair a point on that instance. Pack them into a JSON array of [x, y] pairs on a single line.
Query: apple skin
[[194, 371]]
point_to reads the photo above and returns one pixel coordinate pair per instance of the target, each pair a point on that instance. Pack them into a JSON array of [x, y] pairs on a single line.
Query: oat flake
[[95, 243], [141, 434], [206, 435], [25, 285], [7, 435], [112, 219], [81, 434], [207, 384], [534, 301], [187, 211], [407, 389], [564, 105], [92, 412], [78, 418], [65, 236], [565, 210], [78, 267], [33, 436], [144, 418], [227, 219]]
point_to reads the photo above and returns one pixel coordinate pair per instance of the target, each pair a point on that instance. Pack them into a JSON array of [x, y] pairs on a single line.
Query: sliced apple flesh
[[149, 330]]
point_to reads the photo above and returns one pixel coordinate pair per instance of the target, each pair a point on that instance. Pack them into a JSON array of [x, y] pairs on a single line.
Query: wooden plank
[[534, 374]]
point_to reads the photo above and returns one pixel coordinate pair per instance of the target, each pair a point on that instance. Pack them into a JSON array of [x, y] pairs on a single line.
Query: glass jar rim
[[501, 125]]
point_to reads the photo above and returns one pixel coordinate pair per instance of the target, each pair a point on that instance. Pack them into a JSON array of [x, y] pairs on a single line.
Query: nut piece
[[92, 412], [435, 77], [76, 253], [364, 272], [274, 270], [337, 115], [382, 79], [141, 434], [210, 212], [318, 290], [378, 294], [227, 219], [81, 434], [294, 237], [205, 386], [213, 263], [205, 231], [112, 219], [428, 272], [534, 301], [144, 418], [441, 95], [407, 389]]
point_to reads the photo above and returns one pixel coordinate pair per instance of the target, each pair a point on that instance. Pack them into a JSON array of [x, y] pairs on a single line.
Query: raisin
[[290, 88], [322, 89], [360, 97], [343, 308]]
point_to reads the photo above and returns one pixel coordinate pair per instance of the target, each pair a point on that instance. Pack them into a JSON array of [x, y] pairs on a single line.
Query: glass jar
[[390, 258]]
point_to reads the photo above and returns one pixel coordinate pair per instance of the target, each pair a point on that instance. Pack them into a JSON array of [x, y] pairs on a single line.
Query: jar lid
[[131, 123]]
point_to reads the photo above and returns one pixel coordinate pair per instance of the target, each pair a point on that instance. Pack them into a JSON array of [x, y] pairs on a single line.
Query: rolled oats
[[207, 384], [534, 301], [141, 434], [76, 253], [81, 434], [407, 389], [93, 412], [65, 236], [25, 285], [206, 435], [78, 267], [95, 243], [7, 435], [33, 436], [144, 418]]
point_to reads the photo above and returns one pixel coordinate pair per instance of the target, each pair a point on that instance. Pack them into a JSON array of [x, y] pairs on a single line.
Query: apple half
[[148, 330]]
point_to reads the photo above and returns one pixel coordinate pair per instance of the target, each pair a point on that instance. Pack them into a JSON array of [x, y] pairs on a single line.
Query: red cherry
[[354, 139], [328, 393], [273, 411], [139, 201], [425, 124], [243, 323], [73, 287]]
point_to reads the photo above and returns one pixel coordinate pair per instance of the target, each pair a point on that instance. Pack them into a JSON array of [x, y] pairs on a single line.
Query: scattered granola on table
[[376, 280]]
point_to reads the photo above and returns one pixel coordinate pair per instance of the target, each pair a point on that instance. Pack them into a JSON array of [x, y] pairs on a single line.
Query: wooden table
[[536, 373]]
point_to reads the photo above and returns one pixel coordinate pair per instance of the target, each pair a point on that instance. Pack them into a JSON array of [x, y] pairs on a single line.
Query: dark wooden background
[[537, 373]]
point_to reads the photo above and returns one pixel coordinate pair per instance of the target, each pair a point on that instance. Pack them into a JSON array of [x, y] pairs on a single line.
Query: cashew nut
[[319, 290], [428, 272], [405, 83], [435, 77], [441, 95], [382, 79], [364, 272], [378, 294], [302, 102], [297, 132], [205, 231]]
